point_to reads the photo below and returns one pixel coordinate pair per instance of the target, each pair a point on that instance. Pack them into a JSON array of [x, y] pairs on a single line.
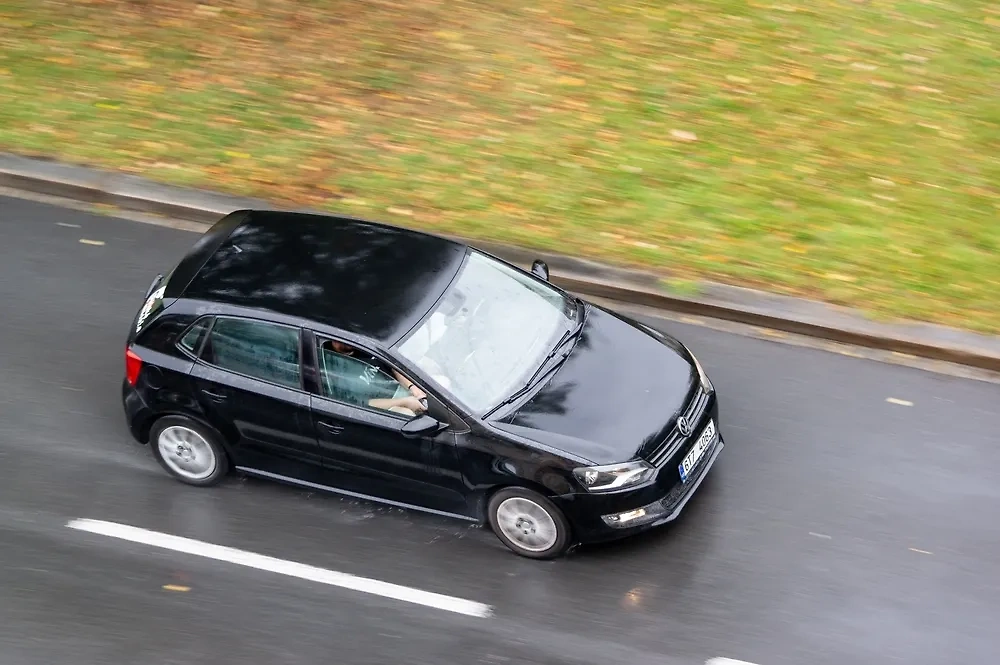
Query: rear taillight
[[133, 363]]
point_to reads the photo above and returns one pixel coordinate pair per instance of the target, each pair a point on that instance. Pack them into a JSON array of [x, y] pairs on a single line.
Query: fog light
[[626, 518], [631, 515]]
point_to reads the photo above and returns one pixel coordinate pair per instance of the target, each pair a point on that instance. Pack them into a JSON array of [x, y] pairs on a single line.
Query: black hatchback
[[401, 367]]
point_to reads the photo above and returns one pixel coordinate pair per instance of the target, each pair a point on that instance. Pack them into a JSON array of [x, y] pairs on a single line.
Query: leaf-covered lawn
[[848, 150]]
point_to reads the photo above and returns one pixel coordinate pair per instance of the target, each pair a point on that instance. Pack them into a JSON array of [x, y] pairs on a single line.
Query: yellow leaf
[[683, 135]]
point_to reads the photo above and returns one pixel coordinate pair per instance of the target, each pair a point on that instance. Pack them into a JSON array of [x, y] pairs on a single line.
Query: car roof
[[363, 277]]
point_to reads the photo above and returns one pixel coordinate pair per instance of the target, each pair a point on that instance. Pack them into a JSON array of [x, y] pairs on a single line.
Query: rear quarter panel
[[164, 384]]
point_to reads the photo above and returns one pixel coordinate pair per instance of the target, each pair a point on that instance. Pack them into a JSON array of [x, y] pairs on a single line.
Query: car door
[[365, 451], [248, 382]]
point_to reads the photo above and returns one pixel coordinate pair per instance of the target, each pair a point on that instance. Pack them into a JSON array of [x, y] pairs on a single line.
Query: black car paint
[[373, 280], [298, 436], [617, 371]]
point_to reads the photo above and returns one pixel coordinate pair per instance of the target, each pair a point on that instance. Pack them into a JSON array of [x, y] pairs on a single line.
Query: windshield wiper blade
[[544, 368], [517, 394]]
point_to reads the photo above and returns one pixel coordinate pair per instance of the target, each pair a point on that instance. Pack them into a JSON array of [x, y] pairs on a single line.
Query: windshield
[[490, 332]]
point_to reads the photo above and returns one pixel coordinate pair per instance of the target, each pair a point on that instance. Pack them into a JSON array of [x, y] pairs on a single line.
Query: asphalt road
[[836, 528]]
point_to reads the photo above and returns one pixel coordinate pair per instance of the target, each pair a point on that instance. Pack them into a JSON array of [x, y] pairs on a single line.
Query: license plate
[[694, 455]]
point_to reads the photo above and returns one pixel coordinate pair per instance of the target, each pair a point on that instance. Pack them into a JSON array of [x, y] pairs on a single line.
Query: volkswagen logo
[[684, 426]]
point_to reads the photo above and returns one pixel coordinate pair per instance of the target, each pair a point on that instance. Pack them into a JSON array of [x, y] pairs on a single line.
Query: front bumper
[[649, 506]]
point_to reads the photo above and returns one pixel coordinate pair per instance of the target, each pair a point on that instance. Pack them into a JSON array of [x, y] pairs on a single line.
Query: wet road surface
[[851, 519]]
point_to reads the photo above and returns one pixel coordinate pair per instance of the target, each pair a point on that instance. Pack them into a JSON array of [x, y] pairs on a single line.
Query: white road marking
[[67, 225], [820, 535], [726, 661], [282, 567], [86, 241], [914, 549], [900, 402]]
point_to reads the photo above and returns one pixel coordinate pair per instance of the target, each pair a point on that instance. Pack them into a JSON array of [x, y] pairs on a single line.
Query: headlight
[[614, 476], [706, 382]]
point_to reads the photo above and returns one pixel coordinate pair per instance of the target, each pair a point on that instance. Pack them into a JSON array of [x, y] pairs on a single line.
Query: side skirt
[[355, 495]]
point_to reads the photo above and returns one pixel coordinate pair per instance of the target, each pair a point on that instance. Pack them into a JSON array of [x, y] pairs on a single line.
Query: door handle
[[330, 427], [215, 397]]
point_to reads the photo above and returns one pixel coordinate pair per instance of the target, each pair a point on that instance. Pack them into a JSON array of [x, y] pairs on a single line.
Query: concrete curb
[[586, 278]]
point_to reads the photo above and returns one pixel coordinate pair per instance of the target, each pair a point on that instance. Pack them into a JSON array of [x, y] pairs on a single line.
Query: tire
[[514, 511], [188, 451]]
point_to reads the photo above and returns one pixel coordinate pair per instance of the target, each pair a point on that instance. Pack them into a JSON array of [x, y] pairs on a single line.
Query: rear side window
[[191, 341], [161, 334], [257, 349]]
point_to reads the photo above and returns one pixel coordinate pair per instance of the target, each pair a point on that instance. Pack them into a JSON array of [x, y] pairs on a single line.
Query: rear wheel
[[188, 451], [528, 523]]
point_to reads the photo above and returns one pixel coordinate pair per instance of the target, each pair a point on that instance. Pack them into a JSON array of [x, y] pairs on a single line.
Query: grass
[[847, 150]]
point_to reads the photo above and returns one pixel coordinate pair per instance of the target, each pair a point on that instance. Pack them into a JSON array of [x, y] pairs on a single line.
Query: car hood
[[617, 395]]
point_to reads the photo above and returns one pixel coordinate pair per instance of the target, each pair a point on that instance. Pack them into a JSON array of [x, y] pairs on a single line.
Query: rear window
[[150, 308]]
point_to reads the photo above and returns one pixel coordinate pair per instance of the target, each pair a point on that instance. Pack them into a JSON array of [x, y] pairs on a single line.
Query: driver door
[[363, 448]]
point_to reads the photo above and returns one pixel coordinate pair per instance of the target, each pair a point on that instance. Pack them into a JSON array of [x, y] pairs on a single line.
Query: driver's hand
[[417, 392], [413, 404]]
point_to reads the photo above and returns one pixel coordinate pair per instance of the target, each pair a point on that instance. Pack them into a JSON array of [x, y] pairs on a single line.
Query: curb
[[746, 306]]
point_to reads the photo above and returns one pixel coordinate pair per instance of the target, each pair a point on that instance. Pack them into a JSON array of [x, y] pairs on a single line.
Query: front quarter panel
[[493, 460]]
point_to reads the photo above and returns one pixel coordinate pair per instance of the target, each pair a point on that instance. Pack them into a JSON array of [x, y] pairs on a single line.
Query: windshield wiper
[[544, 368]]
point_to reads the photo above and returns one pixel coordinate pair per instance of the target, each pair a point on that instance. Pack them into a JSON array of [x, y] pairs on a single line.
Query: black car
[[401, 367]]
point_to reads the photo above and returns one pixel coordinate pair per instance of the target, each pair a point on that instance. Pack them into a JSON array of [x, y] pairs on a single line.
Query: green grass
[[843, 150]]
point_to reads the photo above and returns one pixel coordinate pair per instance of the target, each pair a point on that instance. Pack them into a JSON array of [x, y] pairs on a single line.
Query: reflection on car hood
[[618, 393]]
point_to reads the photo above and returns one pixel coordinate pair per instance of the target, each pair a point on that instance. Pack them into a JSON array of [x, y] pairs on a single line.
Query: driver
[[367, 378]]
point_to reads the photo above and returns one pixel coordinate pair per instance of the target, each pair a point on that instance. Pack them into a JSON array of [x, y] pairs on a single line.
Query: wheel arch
[[147, 427]]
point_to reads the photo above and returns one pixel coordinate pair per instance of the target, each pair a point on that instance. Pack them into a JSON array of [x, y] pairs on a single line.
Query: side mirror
[[540, 269], [422, 426]]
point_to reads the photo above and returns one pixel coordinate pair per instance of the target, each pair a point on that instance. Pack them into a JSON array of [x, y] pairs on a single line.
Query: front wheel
[[528, 523], [188, 451]]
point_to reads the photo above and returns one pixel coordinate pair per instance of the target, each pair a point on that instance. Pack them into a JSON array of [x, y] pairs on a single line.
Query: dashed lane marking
[[282, 567], [900, 402], [68, 225], [820, 535], [726, 661], [914, 549], [87, 241]]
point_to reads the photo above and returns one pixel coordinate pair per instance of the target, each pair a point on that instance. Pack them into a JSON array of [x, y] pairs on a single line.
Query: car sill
[[355, 495]]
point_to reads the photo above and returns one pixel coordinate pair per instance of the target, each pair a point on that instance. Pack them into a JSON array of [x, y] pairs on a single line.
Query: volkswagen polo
[[401, 367]]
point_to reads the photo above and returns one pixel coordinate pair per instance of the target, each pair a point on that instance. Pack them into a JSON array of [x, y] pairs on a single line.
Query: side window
[[161, 334], [191, 341], [354, 377], [255, 348]]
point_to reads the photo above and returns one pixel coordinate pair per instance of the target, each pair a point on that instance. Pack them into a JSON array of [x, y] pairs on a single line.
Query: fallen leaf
[[683, 135]]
